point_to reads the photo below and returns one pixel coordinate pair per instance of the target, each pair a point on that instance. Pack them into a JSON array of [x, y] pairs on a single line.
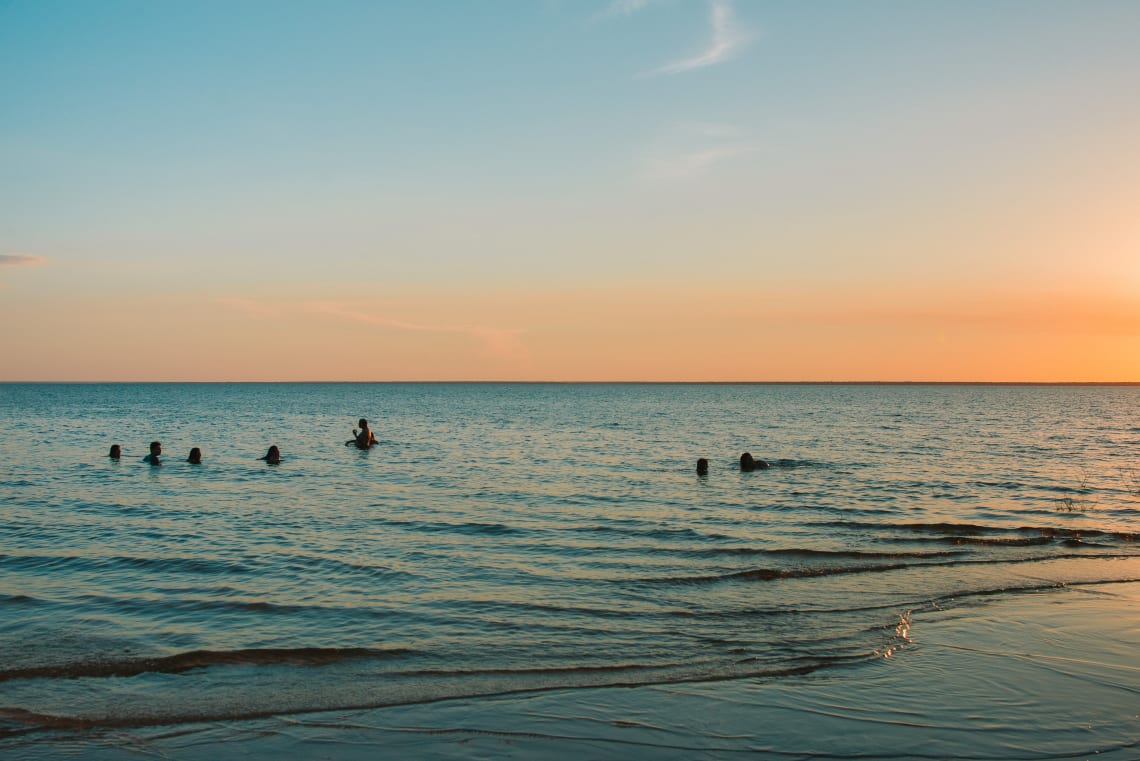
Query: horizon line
[[585, 382]]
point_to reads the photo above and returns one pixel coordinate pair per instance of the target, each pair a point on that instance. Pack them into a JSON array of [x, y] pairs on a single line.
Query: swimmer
[[748, 464], [702, 467], [273, 456], [154, 458], [195, 457], [364, 438], [116, 452]]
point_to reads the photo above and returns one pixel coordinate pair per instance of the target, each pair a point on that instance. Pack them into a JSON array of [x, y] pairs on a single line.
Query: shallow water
[[510, 537]]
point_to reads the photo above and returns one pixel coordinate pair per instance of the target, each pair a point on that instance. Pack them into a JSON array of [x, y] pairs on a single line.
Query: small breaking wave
[[200, 659]]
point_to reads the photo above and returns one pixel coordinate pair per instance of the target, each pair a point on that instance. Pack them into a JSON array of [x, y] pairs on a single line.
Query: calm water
[[517, 537]]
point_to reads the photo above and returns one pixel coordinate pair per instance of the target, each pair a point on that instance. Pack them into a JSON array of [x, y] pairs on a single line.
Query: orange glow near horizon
[[613, 333]]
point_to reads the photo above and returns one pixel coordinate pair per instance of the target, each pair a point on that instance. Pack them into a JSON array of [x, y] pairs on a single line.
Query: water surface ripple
[[521, 536]]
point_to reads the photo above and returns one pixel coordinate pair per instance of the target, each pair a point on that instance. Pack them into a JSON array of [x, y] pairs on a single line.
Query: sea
[[507, 538]]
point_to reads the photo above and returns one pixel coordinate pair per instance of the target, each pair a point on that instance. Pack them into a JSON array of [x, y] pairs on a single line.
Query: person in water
[[195, 457], [116, 452], [364, 438], [702, 467], [273, 456], [748, 464], [155, 456]]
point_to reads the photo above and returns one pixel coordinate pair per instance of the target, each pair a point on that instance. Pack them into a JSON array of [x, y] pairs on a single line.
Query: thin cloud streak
[[622, 8], [694, 163], [688, 152], [20, 260], [727, 40], [501, 342], [249, 306]]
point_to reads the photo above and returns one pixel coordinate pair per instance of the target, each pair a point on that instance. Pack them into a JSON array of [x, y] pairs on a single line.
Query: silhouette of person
[[748, 464], [155, 456], [116, 452], [702, 467], [273, 456], [195, 457], [364, 438]]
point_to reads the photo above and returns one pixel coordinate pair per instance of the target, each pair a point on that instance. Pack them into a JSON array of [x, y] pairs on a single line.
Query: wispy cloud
[[250, 307], [622, 8], [693, 151], [502, 342], [20, 260], [695, 163], [728, 38]]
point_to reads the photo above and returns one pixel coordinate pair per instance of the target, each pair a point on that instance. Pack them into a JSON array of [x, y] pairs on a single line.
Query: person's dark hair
[[195, 456], [363, 423], [749, 464], [155, 445], [702, 467], [116, 452], [273, 456]]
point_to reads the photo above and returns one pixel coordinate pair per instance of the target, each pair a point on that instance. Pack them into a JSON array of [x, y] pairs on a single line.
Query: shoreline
[[961, 685]]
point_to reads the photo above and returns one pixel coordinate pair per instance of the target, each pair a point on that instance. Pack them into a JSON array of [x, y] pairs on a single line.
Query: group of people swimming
[[748, 463], [362, 438]]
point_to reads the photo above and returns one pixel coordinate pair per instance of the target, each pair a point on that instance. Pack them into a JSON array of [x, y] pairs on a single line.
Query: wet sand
[[1039, 675]]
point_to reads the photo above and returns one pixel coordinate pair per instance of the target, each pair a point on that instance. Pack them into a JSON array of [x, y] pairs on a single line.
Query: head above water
[[749, 464], [155, 448], [195, 456], [702, 467], [363, 423], [273, 455], [116, 452]]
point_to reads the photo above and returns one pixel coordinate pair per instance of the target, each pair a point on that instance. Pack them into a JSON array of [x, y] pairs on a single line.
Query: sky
[[574, 190]]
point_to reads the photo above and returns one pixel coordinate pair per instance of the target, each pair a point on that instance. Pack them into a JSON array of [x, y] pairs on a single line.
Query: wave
[[7, 599], [321, 563], [972, 529], [175, 564], [432, 685], [1025, 541], [798, 552], [1029, 589], [1010, 485], [784, 462], [207, 604], [775, 574], [644, 529], [200, 659], [468, 527], [194, 566]]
